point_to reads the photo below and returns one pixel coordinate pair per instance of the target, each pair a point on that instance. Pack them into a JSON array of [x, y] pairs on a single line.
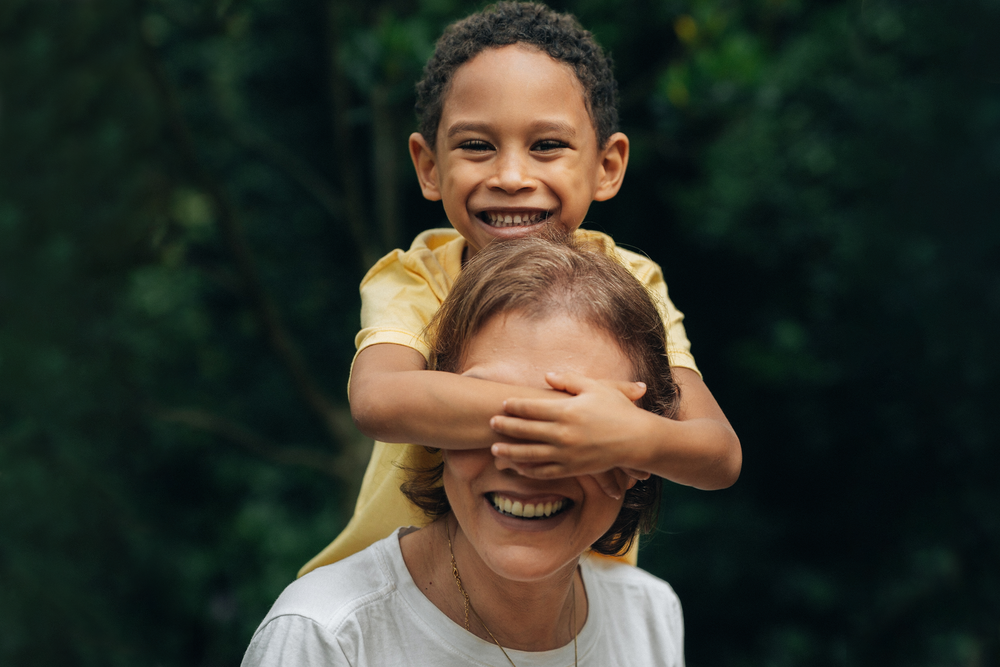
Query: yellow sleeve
[[650, 274], [403, 291]]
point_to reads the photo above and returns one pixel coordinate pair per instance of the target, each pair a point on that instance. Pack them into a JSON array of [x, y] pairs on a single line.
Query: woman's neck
[[528, 616]]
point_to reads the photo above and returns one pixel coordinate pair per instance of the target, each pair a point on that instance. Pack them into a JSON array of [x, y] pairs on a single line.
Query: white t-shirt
[[366, 611]]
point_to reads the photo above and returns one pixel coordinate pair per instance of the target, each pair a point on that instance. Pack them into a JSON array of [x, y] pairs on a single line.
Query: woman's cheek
[[464, 466], [602, 508]]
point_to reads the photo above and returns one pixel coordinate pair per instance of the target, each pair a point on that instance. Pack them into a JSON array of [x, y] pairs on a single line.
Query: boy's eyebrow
[[555, 126], [459, 128]]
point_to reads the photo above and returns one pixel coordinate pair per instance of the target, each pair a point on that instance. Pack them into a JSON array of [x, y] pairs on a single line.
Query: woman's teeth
[[526, 510], [497, 219]]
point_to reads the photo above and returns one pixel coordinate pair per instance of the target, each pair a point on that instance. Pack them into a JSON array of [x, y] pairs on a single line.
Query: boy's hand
[[587, 434]]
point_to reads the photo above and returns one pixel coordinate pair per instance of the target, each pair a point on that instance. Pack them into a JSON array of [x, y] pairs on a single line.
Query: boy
[[517, 132]]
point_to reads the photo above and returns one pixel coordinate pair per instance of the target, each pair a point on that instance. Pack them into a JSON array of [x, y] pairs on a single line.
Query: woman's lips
[[528, 510]]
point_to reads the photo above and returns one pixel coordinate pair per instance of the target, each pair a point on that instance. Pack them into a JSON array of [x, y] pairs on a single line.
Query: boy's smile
[[516, 148]]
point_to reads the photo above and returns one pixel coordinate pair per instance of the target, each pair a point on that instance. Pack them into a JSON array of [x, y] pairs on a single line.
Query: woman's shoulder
[[334, 592], [617, 575], [363, 611], [315, 617], [639, 612]]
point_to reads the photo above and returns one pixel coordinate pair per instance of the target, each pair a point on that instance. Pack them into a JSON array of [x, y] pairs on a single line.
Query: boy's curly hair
[[506, 23], [537, 276]]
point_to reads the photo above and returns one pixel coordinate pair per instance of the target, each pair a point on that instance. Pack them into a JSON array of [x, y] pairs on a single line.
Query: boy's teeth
[[512, 220], [526, 510]]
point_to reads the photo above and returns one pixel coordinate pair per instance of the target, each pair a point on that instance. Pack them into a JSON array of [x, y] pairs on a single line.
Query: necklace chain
[[470, 608]]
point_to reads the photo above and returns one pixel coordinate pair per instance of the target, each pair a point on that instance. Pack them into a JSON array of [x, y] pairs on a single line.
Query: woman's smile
[[540, 509]]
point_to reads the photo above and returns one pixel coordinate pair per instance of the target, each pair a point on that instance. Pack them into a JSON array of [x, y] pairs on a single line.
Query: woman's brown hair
[[536, 277]]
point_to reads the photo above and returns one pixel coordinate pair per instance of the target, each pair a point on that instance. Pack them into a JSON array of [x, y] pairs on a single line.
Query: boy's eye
[[548, 145], [476, 145]]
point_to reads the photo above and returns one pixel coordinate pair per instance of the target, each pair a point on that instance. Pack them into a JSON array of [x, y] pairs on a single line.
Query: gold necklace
[[468, 606]]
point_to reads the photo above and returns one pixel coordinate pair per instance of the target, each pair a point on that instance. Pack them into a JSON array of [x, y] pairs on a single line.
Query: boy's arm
[[717, 455], [600, 428], [394, 399]]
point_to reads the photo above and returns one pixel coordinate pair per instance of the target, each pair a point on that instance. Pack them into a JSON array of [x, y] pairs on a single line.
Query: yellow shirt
[[399, 296]]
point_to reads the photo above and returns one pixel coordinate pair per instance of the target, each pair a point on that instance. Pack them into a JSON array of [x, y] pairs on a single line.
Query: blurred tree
[[190, 193], [843, 220]]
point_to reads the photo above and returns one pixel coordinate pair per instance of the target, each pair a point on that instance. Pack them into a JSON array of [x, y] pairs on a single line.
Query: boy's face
[[516, 148]]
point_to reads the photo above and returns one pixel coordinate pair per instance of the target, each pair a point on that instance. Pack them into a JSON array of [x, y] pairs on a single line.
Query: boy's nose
[[512, 173]]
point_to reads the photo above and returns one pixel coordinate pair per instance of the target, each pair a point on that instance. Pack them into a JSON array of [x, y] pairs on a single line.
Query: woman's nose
[[505, 466], [512, 173]]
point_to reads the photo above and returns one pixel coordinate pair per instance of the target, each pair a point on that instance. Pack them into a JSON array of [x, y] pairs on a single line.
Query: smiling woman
[[502, 575]]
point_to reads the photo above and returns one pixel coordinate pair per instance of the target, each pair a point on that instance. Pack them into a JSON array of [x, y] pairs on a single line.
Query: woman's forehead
[[514, 348]]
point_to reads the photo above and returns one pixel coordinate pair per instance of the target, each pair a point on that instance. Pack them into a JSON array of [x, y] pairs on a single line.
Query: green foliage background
[[191, 191]]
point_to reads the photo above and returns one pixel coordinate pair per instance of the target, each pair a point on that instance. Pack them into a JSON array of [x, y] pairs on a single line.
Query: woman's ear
[[425, 162], [613, 161]]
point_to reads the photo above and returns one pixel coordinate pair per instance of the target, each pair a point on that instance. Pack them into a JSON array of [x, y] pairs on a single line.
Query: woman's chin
[[528, 563], [531, 549]]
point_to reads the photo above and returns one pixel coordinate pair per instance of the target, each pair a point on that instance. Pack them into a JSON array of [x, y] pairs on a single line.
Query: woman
[[503, 574]]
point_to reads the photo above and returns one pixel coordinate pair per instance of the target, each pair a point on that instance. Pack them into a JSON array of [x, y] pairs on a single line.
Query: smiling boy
[[518, 134], [515, 148]]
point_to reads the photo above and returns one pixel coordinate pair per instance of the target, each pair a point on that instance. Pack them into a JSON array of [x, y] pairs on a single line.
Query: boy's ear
[[425, 162], [613, 161]]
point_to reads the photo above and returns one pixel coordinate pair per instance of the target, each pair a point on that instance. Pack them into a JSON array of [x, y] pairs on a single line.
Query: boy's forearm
[[431, 408], [700, 448], [426, 408], [702, 452]]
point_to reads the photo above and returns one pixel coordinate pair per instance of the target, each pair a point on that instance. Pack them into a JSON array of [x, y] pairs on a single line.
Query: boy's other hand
[[590, 433]]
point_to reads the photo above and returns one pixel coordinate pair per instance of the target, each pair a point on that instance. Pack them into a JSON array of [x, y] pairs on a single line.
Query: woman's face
[[514, 349]]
